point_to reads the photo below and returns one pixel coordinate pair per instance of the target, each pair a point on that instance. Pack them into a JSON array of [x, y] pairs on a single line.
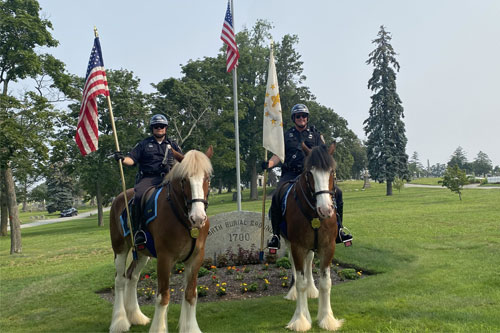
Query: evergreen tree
[[385, 129], [482, 164], [459, 158]]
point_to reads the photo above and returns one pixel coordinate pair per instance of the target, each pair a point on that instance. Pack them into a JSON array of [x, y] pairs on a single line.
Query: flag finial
[[95, 32]]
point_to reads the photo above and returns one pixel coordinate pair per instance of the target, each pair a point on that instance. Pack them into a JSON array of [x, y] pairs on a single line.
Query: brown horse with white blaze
[[311, 222], [179, 233]]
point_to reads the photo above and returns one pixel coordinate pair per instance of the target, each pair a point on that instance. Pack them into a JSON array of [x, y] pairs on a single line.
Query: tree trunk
[[3, 205], [15, 224], [220, 186], [389, 187], [100, 222], [254, 194]]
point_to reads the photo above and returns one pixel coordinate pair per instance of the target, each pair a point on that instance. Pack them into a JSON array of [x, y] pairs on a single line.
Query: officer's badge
[[150, 145], [310, 136], [315, 223], [195, 232], [290, 135]]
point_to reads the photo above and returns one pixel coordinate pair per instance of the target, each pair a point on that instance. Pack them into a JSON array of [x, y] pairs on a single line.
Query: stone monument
[[228, 230]]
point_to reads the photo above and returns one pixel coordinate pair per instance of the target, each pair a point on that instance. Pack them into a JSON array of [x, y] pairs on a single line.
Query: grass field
[[436, 260]]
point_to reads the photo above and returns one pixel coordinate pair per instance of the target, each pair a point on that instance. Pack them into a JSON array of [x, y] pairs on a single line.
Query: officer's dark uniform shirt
[[149, 154], [294, 156]]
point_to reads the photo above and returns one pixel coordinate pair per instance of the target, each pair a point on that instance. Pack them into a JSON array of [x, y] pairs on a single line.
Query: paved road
[[60, 219]]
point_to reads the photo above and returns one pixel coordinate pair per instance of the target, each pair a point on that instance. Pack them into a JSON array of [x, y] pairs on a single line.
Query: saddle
[[279, 202], [149, 204]]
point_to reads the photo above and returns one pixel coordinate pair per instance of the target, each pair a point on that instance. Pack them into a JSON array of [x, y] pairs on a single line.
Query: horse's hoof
[[118, 326], [300, 324], [312, 292], [138, 318], [292, 294], [330, 323]]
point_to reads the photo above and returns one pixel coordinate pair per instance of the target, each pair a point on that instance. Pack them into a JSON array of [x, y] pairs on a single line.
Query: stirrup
[[347, 242], [142, 244], [273, 249]]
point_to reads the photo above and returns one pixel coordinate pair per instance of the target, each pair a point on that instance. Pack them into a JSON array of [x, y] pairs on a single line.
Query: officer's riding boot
[[139, 235], [342, 237], [274, 243]]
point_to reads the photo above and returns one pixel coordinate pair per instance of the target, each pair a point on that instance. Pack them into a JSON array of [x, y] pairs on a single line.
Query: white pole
[[236, 129]]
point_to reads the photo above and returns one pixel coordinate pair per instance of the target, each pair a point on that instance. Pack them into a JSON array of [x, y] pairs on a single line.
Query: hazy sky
[[449, 52]]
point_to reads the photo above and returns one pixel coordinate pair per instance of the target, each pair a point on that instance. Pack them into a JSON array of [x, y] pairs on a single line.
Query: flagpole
[[236, 127], [261, 254], [124, 187]]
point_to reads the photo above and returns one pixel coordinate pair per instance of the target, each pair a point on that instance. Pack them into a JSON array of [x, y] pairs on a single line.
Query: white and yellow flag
[[273, 122]]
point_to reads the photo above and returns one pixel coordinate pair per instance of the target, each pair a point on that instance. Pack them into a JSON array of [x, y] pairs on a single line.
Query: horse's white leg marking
[[324, 204], [197, 214], [160, 319], [187, 320], [119, 321], [292, 293], [134, 314], [326, 320], [301, 320], [312, 292]]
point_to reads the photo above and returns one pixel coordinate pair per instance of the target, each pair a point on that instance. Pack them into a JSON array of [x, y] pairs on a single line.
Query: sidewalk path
[[60, 219], [465, 186]]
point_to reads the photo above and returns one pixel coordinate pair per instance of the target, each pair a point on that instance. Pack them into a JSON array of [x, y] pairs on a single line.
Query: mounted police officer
[[294, 165], [155, 159]]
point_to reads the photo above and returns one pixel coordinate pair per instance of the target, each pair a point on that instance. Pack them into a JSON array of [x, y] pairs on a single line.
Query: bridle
[[184, 219], [189, 203], [311, 194]]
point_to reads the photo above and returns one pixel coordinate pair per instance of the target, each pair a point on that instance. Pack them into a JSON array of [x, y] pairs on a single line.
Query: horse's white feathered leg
[[187, 319], [119, 321], [326, 320], [134, 314], [160, 319], [312, 292], [292, 292], [301, 320]]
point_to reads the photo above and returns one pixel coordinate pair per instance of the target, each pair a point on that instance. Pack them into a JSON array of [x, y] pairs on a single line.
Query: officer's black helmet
[[158, 119], [299, 108]]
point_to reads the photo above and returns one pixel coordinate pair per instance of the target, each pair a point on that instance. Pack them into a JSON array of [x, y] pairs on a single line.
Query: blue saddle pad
[[283, 210], [149, 214]]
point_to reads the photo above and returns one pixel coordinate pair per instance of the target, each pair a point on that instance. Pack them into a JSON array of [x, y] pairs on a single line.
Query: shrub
[[348, 274], [284, 262], [179, 268], [202, 290], [203, 271]]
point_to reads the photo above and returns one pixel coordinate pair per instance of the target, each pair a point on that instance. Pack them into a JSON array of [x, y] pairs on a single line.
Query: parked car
[[69, 212]]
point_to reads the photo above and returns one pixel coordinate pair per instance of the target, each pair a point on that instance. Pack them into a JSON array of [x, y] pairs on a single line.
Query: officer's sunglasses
[[302, 115], [159, 126]]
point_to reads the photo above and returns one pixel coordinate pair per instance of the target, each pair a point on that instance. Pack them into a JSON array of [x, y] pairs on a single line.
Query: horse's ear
[[178, 156], [306, 149], [331, 149], [210, 151]]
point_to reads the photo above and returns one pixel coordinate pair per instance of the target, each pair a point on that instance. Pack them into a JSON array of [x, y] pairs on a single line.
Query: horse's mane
[[320, 159], [194, 163]]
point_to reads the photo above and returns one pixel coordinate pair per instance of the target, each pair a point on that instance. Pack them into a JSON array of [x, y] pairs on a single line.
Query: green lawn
[[427, 181], [436, 260]]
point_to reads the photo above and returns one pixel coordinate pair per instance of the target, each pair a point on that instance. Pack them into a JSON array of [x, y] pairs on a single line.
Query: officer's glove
[[264, 165], [118, 155]]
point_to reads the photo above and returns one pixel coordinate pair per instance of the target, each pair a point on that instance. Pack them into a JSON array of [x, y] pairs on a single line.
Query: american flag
[[95, 84], [228, 38]]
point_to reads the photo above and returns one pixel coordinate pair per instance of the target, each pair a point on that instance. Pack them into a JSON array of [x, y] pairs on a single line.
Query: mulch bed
[[259, 280]]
